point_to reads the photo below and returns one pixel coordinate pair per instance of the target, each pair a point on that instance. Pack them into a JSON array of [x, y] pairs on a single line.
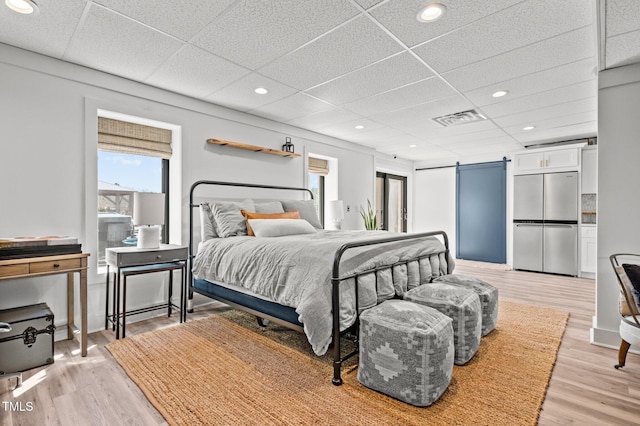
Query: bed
[[293, 273]]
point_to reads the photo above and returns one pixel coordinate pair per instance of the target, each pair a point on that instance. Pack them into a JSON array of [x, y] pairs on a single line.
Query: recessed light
[[359, 126], [26, 7], [529, 128], [261, 91], [431, 12], [499, 93], [412, 146]]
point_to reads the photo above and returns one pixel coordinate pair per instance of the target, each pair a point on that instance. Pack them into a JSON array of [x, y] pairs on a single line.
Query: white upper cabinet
[[556, 160], [589, 171]]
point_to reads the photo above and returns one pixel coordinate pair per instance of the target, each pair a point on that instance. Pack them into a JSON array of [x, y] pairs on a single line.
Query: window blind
[[318, 166], [132, 138]]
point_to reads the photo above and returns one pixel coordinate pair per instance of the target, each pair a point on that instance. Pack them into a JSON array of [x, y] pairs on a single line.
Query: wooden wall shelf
[[253, 148]]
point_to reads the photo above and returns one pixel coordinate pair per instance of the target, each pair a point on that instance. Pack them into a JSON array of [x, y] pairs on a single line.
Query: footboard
[[337, 279]]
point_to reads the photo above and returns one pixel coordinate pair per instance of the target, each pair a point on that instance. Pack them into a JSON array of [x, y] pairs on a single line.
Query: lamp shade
[[148, 208], [335, 210]]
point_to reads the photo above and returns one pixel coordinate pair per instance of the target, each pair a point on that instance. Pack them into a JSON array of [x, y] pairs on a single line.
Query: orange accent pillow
[[252, 215]]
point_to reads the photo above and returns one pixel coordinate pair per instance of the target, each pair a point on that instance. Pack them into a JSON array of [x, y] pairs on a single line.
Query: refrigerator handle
[[559, 225]]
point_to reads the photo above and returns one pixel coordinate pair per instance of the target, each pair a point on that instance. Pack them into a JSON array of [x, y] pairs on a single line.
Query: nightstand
[[129, 261]]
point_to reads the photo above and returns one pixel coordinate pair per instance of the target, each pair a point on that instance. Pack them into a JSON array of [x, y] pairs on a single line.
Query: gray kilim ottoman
[[488, 297], [460, 304], [406, 351]]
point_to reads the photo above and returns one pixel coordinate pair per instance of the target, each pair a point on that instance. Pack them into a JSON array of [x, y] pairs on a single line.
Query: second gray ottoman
[[406, 351], [462, 306], [488, 297]]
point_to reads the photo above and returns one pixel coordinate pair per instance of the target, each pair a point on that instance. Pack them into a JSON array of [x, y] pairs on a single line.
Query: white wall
[[435, 202], [48, 162], [618, 189]]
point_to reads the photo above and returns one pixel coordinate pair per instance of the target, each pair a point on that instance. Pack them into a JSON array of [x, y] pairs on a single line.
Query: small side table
[[136, 261]]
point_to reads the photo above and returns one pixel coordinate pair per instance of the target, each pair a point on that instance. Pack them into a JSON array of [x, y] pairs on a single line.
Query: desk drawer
[[54, 265], [10, 270], [151, 257]]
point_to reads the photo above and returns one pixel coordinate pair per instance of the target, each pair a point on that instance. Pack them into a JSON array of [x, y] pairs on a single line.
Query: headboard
[[202, 184]]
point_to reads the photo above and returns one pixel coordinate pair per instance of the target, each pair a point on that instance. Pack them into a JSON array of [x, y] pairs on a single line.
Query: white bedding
[[296, 271]]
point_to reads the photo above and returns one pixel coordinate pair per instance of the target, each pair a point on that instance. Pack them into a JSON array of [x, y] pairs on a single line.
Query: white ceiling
[[330, 65]]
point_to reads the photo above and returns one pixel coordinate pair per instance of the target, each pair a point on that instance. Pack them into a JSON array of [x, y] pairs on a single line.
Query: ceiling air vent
[[459, 118]]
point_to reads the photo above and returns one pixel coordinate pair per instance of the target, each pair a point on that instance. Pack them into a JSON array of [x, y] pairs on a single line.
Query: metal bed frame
[[285, 315]]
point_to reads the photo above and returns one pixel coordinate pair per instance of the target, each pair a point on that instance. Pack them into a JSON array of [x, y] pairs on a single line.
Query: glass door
[[391, 201]]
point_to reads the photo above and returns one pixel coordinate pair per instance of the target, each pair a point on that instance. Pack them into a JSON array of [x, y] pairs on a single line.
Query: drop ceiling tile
[[498, 148], [554, 123], [254, 33], [542, 99], [328, 117], [472, 136], [195, 72], [623, 49], [296, 105], [118, 45], [47, 32], [348, 48], [503, 31], [423, 113], [563, 49], [575, 131], [349, 127], [375, 138], [421, 92], [442, 136], [400, 17], [241, 94], [182, 19], [379, 77], [553, 111], [366, 4], [622, 16]]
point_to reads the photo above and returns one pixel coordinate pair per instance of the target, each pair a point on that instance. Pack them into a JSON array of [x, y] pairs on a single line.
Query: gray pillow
[[207, 228], [229, 221], [306, 208], [269, 207]]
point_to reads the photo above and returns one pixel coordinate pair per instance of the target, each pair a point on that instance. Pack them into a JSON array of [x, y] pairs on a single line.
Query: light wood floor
[[584, 389]]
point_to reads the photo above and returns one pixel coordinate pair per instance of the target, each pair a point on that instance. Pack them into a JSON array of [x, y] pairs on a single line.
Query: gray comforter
[[296, 271]]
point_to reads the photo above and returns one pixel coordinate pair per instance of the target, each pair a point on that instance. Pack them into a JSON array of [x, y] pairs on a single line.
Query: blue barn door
[[481, 212]]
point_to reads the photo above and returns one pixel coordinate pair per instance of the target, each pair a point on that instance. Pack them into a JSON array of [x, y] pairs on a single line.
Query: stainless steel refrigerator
[[545, 223]]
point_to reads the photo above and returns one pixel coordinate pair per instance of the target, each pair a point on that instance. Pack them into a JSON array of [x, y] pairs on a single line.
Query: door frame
[[385, 203]]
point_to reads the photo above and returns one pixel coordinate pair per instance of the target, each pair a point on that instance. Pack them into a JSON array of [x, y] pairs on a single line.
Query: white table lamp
[[335, 213], [148, 215]]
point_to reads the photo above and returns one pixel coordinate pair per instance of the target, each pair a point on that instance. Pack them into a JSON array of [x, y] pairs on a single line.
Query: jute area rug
[[218, 372]]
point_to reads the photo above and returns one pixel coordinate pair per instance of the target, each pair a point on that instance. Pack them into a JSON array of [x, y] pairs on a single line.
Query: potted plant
[[369, 217]]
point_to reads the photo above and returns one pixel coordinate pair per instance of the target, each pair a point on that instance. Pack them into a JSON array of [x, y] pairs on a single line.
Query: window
[[131, 158], [318, 169], [316, 185]]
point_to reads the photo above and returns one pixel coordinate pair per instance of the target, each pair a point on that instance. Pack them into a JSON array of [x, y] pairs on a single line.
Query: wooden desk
[[50, 265]]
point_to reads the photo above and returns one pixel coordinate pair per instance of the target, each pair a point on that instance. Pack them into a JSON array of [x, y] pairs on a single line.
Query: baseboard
[[485, 265], [608, 339]]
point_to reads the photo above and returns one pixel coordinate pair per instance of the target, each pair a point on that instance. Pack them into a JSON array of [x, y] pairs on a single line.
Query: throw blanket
[[296, 271]]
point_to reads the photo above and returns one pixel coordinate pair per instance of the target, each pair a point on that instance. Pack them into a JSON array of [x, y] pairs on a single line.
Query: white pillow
[[280, 227]]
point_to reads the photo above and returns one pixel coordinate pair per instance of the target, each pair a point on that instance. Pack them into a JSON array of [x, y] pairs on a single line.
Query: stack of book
[[52, 245]]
